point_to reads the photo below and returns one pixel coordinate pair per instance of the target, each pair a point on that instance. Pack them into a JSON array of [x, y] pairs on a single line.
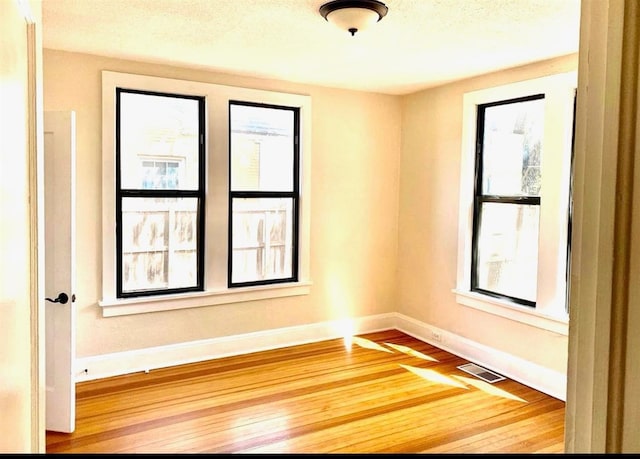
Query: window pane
[[507, 249], [159, 143], [262, 239], [262, 146], [512, 148], [159, 243]]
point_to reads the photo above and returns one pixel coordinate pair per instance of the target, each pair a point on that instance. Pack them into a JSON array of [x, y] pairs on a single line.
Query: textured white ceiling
[[418, 44]]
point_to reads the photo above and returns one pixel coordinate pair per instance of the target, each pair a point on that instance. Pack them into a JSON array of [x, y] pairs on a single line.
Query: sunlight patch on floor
[[407, 350], [362, 342], [434, 376], [488, 388]]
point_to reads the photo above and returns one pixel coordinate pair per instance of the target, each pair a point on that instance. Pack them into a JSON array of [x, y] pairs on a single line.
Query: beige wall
[[357, 238], [355, 164], [428, 222]]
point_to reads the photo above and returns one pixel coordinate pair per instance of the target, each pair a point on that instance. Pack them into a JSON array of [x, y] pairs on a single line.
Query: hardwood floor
[[385, 393]]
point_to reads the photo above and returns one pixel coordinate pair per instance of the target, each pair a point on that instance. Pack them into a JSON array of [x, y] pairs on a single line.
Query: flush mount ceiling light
[[353, 15]]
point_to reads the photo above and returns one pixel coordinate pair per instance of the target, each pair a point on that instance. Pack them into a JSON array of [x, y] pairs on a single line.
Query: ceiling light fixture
[[353, 15]]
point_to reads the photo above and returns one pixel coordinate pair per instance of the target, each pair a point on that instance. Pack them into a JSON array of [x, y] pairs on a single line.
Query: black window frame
[[294, 195], [200, 194], [479, 198]]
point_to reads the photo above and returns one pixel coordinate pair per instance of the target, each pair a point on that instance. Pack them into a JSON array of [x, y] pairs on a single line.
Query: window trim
[[549, 314], [216, 290]]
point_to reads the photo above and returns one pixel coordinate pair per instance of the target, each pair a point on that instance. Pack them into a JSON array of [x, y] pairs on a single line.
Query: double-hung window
[[263, 196], [159, 193], [515, 200], [206, 194], [507, 199]]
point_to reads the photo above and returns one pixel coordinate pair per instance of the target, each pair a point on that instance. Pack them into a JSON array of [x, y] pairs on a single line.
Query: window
[[263, 196], [507, 199], [159, 193], [515, 200], [205, 194]]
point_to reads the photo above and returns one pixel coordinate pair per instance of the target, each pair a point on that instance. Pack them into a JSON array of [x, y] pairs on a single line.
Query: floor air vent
[[482, 373]]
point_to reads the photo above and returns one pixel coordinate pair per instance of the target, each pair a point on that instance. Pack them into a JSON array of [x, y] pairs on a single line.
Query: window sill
[[514, 311], [120, 307]]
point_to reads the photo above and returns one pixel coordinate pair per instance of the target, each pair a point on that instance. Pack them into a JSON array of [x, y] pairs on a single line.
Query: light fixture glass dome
[[353, 15]]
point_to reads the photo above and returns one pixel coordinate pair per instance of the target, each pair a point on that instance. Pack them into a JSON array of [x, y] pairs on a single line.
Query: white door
[[59, 198]]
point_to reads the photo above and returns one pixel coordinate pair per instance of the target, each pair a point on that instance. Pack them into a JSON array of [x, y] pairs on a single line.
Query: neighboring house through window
[[515, 200]]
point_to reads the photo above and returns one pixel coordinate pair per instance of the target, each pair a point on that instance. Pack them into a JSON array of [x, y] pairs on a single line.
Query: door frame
[[33, 20], [602, 373]]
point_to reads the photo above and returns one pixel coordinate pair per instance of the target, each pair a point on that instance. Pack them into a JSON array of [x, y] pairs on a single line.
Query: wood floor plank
[[383, 392]]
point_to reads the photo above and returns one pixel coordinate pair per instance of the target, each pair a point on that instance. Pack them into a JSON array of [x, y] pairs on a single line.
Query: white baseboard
[[102, 366], [543, 379], [120, 363]]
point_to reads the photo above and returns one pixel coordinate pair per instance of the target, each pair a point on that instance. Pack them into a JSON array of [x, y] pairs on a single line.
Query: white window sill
[[139, 305], [513, 311]]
